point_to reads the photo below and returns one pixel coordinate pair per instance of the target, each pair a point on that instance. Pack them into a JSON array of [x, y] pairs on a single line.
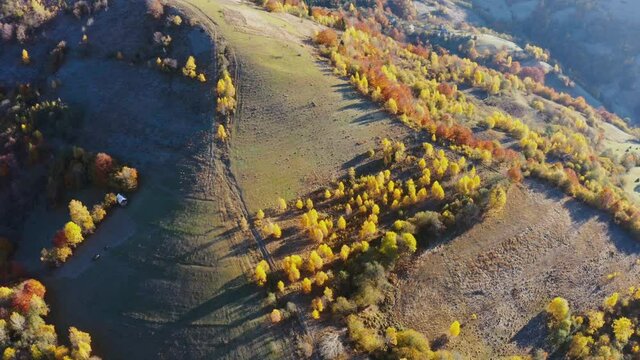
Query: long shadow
[[376, 116], [200, 248], [240, 248], [533, 334], [347, 91], [357, 160], [237, 291]]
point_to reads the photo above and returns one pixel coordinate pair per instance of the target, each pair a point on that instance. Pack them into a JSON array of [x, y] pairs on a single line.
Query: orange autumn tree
[[327, 37]]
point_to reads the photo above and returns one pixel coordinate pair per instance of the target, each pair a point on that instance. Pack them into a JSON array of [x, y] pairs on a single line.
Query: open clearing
[[506, 268]]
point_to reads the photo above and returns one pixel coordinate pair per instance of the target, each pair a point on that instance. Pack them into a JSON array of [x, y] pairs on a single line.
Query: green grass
[[300, 123]]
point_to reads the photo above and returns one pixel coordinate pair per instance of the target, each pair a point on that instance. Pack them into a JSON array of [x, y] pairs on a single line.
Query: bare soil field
[[508, 267]]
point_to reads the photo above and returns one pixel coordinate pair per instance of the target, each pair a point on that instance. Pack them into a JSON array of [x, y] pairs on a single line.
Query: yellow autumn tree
[[291, 266], [189, 68], [221, 133], [342, 223], [226, 102], [437, 191], [325, 251], [317, 304], [260, 273], [610, 302], [391, 106], [282, 204], [558, 308], [306, 285], [25, 57], [454, 329], [596, 320], [80, 344], [81, 216], [321, 277], [328, 293], [73, 233], [623, 329], [275, 316], [497, 198], [580, 346], [344, 252], [315, 262]]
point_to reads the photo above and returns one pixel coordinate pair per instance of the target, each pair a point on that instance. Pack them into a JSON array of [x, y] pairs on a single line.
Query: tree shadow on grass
[[237, 292], [294, 245], [238, 301], [202, 247]]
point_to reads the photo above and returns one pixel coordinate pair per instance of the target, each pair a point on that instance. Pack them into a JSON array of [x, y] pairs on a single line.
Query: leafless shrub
[[155, 8], [305, 346], [57, 55], [21, 33], [100, 5], [427, 221], [6, 31], [157, 37], [81, 8], [331, 346], [169, 63], [161, 39], [292, 308]]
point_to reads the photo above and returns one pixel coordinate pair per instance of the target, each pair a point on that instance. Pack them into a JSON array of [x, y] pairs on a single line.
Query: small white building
[[122, 201]]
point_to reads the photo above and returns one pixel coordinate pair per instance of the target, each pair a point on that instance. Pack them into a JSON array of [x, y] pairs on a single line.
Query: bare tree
[[155, 8]]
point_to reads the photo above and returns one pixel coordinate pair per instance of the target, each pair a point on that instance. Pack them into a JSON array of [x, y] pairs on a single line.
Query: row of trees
[[103, 171], [83, 223], [24, 334]]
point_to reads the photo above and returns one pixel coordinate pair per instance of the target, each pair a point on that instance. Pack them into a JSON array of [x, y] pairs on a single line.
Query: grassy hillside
[[298, 124], [171, 280]]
